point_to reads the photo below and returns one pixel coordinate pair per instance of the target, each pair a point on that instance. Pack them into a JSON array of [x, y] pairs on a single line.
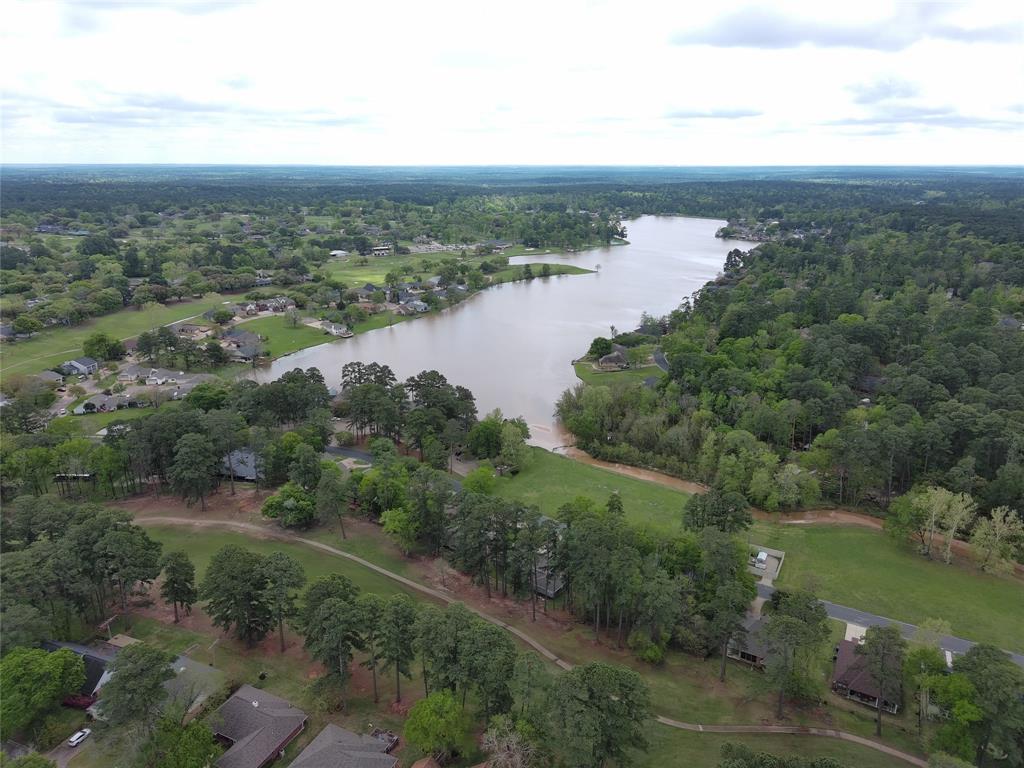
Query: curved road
[[530, 641]]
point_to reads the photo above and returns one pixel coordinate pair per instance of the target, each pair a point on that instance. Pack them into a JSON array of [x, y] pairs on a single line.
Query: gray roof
[[335, 747], [258, 723], [50, 376]]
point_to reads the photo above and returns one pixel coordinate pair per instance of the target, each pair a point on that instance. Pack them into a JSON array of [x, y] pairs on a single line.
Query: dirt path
[[530, 641]]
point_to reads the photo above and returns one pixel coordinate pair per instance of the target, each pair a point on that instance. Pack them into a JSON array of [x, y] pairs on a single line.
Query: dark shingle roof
[[260, 725], [851, 670], [335, 747]]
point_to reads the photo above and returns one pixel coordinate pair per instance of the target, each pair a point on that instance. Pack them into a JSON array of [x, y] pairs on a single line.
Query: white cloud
[[474, 83]]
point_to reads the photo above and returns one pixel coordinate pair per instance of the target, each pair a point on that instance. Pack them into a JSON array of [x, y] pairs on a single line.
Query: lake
[[513, 344]]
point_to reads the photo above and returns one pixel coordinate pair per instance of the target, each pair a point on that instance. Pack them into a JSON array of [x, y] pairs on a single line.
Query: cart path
[[530, 641]]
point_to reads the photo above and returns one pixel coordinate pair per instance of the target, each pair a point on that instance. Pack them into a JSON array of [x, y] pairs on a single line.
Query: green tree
[[33, 682], [401, 525], [135, 692], [194, 471], [514, 454], [600, 713], [22, 625], [998, 683], [292, 507], [728, 609], [179, 587], [997, 538], [480, 480], [884, 650], [435, 725], [235, 591], [332, 636], [397, 638], [31, 760], [333, 585], [227, 433], [331, 502], [174, 745], [371, 609], [795, 628], [305, 467], [728, 511], [284, 576]]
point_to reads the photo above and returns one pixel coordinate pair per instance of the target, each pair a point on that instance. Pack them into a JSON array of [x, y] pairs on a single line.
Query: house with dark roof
[[243, 463], [334, 747], [96, 661], [615, 360], [50, 377], [81, 366], [750, 647], [257, 726], [852, 678], [1009, 323]]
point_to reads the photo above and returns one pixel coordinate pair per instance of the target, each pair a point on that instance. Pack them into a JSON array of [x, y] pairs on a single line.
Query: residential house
[[107, 404], [615, 360], [243, 464], [384, 249], [336, 329], [233, 309], [6, 331], [498, 246], [257, 726], [367, 291], [81, 366], [335, 747], [263, 281], [50, 377], [188, 330], [237, 337], [852, 678], [1009, 323], [418, 306], [750, 647], [95, 661]]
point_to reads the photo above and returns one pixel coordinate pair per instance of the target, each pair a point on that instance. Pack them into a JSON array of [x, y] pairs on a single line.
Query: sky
[[559, 82]]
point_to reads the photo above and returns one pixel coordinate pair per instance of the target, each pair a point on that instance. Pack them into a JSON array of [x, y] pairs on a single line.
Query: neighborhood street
[[957, 645]]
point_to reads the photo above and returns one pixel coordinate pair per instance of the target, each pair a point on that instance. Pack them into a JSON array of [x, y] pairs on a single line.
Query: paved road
[[853, 616], [526, 638]]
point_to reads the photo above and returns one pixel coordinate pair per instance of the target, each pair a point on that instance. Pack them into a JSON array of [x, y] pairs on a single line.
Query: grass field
[[202, 544], [865, 569], [282, 337], [55, 345], [672, 747], [552, 480], [585, 372], [509, 274]]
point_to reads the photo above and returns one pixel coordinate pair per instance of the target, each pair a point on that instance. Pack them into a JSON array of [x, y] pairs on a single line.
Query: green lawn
[[552, 480], [865, 569], [672, 747], [284, 338], [55, 345], [92, 423], [509, 274], [585, 372], [202, 544]]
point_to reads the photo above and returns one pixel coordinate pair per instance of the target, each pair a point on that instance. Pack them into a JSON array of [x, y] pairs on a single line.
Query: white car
[[78, 737], [62, 412]]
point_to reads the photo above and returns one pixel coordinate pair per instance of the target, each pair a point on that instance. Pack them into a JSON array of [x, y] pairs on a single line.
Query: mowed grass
[[673, 747], [865, 569], [585, 372], [55, 345], [282, 337], [550, 481], [202, 544]]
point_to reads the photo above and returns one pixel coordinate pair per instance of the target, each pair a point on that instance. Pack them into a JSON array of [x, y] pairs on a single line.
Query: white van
[[761, 561]]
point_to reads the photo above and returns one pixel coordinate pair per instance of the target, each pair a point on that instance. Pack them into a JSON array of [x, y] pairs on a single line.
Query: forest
[[879, 355]]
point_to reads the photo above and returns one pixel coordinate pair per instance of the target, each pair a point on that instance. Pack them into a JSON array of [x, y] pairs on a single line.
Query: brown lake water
[[513, 344]]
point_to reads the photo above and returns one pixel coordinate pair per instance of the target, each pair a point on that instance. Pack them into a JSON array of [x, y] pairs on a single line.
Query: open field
[[585, 372], [55, 345], [552, 480], [865, 569], [283, 337], [201, 544], [509, 274], [353, 274]]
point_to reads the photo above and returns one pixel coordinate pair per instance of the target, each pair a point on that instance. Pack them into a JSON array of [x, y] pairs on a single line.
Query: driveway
[[63, 754]]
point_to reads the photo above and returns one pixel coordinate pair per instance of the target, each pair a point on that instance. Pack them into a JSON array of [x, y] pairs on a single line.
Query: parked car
[[79, 736], [62, 412]]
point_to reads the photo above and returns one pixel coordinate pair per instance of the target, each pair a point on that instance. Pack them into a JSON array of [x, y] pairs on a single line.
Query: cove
[[512, 344]]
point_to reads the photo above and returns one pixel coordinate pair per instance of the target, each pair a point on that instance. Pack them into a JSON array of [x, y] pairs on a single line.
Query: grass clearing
[[552, 480], [55, 345], [865, 569], [585, 372], [282, 337], [201, 544]]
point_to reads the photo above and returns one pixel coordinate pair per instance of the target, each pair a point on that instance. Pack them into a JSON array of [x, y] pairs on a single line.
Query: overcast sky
[[481, 82]]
